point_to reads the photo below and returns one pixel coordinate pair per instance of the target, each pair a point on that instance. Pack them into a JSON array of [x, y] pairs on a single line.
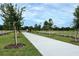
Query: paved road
[[51, 47]]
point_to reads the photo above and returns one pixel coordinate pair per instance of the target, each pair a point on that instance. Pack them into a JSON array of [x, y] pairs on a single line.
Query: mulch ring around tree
[[10, 46]]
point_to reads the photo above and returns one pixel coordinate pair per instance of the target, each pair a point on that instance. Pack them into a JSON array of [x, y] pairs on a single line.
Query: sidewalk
[[51, 47]]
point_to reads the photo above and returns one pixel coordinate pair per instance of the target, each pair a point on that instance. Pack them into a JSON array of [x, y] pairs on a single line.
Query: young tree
[[46, 26], [35, 26], [39, 27], [12, 16], [50, 24], [76, 21]]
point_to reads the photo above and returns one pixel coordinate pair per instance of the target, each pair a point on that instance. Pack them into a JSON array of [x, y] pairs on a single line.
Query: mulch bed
[[10, 46]]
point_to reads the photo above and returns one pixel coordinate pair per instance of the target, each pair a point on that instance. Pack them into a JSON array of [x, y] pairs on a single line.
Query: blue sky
[[37, 13]]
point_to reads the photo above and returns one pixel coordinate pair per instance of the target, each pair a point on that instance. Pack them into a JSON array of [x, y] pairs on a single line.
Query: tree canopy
[[76, 19], [11, 13], [48, 24]]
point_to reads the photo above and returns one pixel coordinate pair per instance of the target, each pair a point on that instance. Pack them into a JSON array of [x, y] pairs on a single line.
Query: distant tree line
[[63, 28], [41, 28], [47, 25]]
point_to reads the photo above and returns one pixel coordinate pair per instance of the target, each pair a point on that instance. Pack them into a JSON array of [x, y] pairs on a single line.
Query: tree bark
[[49, 32], [76, 39], [15, 33]]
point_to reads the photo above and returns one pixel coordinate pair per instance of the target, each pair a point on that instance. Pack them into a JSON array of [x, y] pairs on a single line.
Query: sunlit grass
[[27, 50]]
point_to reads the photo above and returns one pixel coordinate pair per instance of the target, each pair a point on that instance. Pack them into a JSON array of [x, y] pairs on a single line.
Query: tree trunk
[[76, 39], [49, 32], [15, 33]]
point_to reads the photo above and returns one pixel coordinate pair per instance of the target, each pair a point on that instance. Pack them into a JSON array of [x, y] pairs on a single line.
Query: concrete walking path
[[51, 47]]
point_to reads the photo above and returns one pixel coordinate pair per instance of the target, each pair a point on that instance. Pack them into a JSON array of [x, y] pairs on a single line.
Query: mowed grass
[[70, 33], [27, 50], [57, 37]]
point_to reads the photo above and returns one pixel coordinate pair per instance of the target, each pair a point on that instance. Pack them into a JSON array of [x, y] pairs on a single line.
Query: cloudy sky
[[37, 13]]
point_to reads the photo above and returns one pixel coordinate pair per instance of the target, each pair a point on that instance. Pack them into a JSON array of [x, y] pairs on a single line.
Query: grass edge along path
[[27, 50], [60, 38]]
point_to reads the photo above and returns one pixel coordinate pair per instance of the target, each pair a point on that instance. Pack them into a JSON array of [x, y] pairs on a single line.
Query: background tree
[[48, 24], [76, 21], [37, 27], [1, 27], [25, 27], [12, 16], [30, 28]]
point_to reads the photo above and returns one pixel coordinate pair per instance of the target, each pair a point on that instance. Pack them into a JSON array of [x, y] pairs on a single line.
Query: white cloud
[[60, 13], [37, 8]]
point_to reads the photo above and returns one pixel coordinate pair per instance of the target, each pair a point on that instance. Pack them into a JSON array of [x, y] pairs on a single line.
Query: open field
[[69, 33], [27, 50], [53, 34]]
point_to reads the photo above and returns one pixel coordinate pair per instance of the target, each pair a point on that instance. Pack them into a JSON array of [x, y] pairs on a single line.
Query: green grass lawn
[[27, 50], [60, 38], [70, 33]]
